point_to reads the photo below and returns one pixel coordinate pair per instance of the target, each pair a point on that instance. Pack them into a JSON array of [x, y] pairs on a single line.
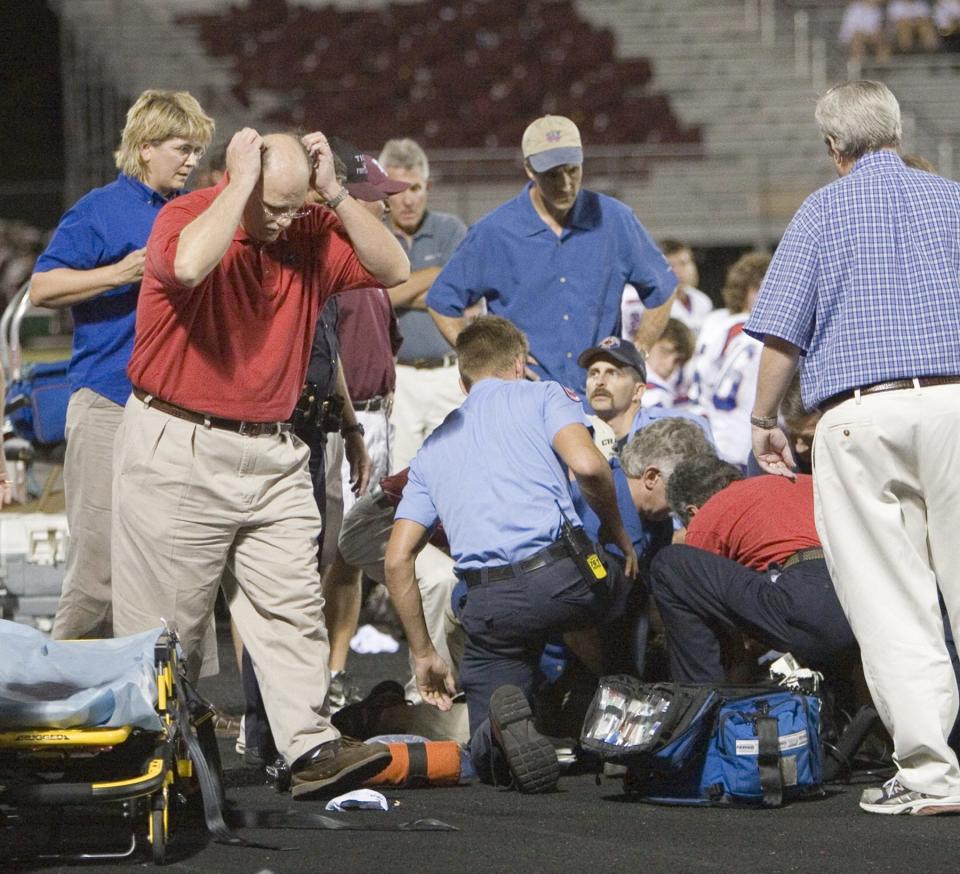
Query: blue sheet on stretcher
[[76, 684]]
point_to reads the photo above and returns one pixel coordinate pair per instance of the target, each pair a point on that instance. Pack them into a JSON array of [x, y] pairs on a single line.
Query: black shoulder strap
[[768, 761]]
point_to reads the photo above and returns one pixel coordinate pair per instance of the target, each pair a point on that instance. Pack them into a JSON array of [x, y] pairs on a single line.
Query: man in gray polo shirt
[[428, 384]]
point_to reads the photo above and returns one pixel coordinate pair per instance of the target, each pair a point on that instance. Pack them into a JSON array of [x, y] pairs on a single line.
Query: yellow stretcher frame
[[147, 794]]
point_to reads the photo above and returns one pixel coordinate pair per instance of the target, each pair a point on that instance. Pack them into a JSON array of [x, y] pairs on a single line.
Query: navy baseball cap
[[622, 351]]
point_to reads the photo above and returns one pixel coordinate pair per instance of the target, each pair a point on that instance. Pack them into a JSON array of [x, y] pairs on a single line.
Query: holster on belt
[[324, 414], [583, 551]]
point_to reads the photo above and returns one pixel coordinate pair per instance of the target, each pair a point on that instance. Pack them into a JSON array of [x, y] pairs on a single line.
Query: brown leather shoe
[[335, 767]]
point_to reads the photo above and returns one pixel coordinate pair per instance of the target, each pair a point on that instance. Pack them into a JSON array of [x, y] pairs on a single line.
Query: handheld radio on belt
[[582, 550]]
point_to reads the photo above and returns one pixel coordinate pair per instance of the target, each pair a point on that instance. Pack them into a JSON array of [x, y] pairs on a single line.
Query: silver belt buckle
[[255, 429]]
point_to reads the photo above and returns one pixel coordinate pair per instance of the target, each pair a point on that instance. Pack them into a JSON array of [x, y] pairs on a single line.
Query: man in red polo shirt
[[208, 475], [751, 563]]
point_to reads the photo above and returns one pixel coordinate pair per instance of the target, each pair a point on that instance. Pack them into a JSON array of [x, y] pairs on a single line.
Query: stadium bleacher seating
[[455, 73]]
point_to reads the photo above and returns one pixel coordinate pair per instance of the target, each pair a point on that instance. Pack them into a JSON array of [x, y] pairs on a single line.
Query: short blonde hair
[[157, 116]]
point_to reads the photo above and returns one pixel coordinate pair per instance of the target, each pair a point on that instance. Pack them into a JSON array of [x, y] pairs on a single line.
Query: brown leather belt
[[248, 429], [803, 555], [893, 385]]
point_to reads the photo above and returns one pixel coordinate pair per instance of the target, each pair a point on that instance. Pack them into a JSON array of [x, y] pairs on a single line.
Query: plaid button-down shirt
[[866, 280]]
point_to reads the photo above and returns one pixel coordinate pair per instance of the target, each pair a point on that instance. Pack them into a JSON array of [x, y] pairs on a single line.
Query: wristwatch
[[350, 429], [337, 199]]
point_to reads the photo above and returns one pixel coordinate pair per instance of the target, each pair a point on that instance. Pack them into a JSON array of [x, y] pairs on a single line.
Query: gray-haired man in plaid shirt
[[866, 284]]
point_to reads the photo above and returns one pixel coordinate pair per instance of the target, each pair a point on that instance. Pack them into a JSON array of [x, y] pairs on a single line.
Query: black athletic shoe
[[530, 756]]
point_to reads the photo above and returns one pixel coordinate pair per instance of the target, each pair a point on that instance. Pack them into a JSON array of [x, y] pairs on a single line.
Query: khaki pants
[[84, 610], [421, 401], [887, 488], [191, 502]]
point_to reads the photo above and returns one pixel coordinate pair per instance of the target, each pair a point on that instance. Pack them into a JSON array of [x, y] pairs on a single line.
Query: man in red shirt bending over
[[751, 563], [208, 475]]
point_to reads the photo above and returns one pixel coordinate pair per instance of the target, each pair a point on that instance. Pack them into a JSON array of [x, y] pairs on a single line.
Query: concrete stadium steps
[[132, 42], [762, 151], [929, 87], [738, 82]]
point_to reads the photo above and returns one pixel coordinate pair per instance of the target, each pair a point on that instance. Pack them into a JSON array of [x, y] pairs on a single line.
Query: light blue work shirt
[[490, 474], [563, 292], [431, 245], [102, 228]]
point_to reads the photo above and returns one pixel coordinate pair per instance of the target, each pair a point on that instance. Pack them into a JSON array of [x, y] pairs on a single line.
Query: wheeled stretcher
[[96, 725]]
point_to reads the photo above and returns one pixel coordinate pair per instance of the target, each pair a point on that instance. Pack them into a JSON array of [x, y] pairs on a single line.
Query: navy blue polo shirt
[[563, 292], [101, 228]]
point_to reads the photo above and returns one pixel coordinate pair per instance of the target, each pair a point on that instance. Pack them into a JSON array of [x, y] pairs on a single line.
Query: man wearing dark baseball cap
[[554, 261], [365, 179], [619, 350], [616, 381]]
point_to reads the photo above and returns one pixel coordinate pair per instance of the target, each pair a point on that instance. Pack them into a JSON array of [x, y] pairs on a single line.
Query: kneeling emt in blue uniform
[[495, 473]]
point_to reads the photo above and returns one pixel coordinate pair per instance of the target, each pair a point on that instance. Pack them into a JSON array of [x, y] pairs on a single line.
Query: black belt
[[544, 558], [249, 429], [803, 555], [892, 385], [430, 363], [371, 405]]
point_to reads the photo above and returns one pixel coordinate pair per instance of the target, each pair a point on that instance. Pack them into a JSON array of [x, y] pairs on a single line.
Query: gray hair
[[860, 117], [695, 481], [405, 153], [663, 444]]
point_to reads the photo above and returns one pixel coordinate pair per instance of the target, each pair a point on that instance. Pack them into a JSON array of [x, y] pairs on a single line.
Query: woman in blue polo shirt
[[93, 265]]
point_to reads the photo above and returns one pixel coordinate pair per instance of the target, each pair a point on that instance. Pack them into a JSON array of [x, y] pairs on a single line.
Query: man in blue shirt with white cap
[[495, 473], [554, 261]]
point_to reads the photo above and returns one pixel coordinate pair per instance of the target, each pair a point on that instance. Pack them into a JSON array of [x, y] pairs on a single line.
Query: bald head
[[284, 157], [284, 183]]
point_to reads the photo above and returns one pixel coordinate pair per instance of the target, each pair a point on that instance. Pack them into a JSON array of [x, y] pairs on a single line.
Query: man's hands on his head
[[772, 451], [324, 178], [244, 157]]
